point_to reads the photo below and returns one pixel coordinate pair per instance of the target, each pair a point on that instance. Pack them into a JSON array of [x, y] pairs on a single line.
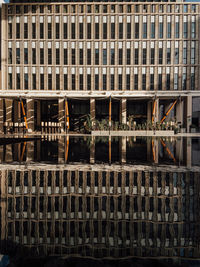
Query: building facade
[[141, 56]]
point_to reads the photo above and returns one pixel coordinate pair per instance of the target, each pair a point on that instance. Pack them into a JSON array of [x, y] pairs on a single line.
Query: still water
[[111, 199]]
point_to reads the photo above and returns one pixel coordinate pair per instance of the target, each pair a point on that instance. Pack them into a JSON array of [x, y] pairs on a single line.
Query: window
[[136, 56], [104, 30], [136, 30], [25, 55], [144, 56], [9, 80], [112, 56], [65, 32], [119, 81], [159, 81], [96, 56], [65, 82], [65, 56], [25, 30], [73, 31], [160, 59], [96, 30], [153, 30], [81, 56], [120, 30], [80, 30], [73, 56], [10, 9], [128, 56], [168, 81], [137, 8], [120, 62], [57, 56], [185, 30], [152, 61], [17, 55], [89, 56], [34, 81], [128, 7], [49, 81], [18, 81], [175, 81], [169, 8], [96, 8], [176, 58], [88, 30], [112, 81], [41, 81], [104, 56], [9, 55], [89, 9], [9, 30], [193, 8], [96, 81], [184, 81], [161, 30], [26, 81], [128, 30], [177, 30], [135, 81], [17, 30], [193, 29], [168, 55], [49, 56], [41, 55], [144, 30], [80, 81], [57, 81], [57, 30], [151, 81], [49, 30], [112, 31], [73, 8], [33, 56], [192, 55], [184, 55], [143, 81], [41, 9], [168, 29], [41, 30], [57, 7], [88, 82], [104, 8], [18, 9], [127, 81], [33, 30], [33, 9]]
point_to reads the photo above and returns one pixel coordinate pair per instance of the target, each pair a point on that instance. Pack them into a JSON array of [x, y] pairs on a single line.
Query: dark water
[[80, 201]]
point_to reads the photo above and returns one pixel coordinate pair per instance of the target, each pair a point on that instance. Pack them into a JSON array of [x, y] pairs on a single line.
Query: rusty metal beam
[[67, 114], [24, 114], [169, 110]]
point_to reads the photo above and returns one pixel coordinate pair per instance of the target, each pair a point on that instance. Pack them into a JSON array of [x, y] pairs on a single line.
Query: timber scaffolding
[[28, 117], [103, 212]]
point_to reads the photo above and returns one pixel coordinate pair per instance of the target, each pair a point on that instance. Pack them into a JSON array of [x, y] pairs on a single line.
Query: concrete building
[[66, 60]]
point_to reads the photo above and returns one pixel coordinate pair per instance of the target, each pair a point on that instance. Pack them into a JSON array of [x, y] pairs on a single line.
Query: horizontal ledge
[[95, 94]]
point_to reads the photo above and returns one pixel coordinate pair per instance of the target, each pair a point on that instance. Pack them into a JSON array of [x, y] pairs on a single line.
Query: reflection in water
[[148, 207]]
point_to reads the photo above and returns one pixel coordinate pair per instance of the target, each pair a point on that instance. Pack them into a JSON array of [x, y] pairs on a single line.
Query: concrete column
[[92, 150], [3, 204], [17, 113], [1, 115], [9, 103], [123, 112], [155, 150], [8, 154], [149, 149], [30, 114], [92, 109], [38, 114], [189, 113], [189, 153], [179, 112], [61, 150], [1, 154], [123, 149], [30, 151], [61, 113], [149, 112], [179, 150]]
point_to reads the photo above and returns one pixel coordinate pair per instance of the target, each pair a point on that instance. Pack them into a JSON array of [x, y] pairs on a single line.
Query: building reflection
[[101, 210]]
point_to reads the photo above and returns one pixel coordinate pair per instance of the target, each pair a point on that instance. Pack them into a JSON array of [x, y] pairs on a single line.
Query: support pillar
[[61, 113], [61, 150], [157, 114], [30, 115], [189, 153], [9, 103], [92, 110], [179, 113], [92, 150], [123, 112], [123, 149], [1, 115], [30, 151], [3, 204], [149, 103], [189, 113], [38, 119]]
